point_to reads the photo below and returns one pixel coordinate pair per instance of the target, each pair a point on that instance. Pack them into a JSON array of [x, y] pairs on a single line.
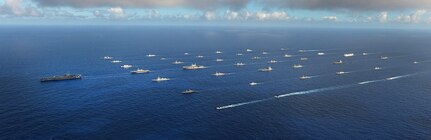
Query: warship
[[61, 78]]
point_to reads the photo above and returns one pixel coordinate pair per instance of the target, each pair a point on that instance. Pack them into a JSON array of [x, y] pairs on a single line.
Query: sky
[[242, 12]]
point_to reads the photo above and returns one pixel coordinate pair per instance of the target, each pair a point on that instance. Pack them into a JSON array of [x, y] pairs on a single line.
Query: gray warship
[[61, 78]]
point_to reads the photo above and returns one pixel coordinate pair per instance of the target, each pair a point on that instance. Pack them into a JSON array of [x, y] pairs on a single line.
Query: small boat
[[239, 64], [384, 57], [338, 62], [365, 53], [268, 69], [218, 52], [340, 73], [189, 91], [194, 67], [176, 62], [265, 53], [320, 53], [200, 56], [249, 50], [239, 54], [272, 61], [140, 71], [108, 57], [219, 60], [377, 68], [255, 58], [287, 56], [126, 66], [160, 79], [349, 54], [297, 66], [304, 59], [303, 77], [186, 53], [253, 83], [219, 74], [415, 62], [163, 58], [116, 61], [151, 55]]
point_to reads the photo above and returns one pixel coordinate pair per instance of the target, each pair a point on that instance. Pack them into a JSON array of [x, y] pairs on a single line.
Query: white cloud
[[383, 17], [18, 8], [414, 17], [330, 18], [116, 12], [278, 15], [231, 15], [210, 15]]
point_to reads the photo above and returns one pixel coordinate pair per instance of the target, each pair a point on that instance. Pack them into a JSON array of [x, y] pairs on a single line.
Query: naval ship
[[61, 78]]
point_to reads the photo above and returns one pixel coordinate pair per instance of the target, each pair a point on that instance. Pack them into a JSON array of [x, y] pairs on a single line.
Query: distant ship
[[160, 79], [151, 55], [200, 56], [194, 67], [297, 66], [338, 62], [219, 60], [415, 62], [340, 73], [320, 53], [301, 50], [239, 54], [249, 50], [349, 54], [239, 64], [255, 58], [283, 49], [189, 91], [219, 74], [116, 61], [108, 57], [287, 56], [384, 57], [304, 59], [272, 61], [365, 53], [126, 66], [264, 53], [186, 53], [303, 77], [176, 62], [140, 71], [377, 68], [61, 78], [268, 69], [163, 58], [218, 52], [253, 83]]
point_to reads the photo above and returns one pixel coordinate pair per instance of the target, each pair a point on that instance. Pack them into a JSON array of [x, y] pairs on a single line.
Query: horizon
[[379, 13]]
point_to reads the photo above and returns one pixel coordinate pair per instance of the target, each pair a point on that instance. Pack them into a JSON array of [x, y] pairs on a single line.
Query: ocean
[[110, 103]]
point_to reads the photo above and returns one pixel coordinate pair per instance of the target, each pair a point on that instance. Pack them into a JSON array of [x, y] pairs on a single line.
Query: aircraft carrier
[[61, 78]]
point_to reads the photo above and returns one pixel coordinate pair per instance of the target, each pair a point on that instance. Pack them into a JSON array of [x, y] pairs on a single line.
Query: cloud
[[116, 12], [199, 4], [330, 18], [414, 17], [357, 5], [383, 17], [210, 15], [256, 15], [18, 9]]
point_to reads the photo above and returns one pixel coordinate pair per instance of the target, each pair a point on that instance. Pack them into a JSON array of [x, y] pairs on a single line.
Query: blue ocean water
[[110, 103]]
